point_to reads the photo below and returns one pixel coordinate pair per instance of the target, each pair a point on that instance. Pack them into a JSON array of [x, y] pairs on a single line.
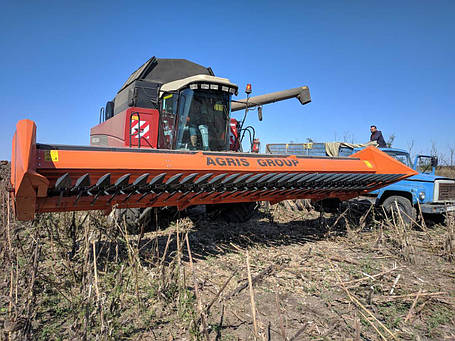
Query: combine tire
[[234, 213], [132, 217], [330, 205], [137, 217], [408, 212]]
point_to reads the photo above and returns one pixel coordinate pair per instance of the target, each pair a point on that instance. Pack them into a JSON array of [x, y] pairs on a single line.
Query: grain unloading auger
[[167, 140]]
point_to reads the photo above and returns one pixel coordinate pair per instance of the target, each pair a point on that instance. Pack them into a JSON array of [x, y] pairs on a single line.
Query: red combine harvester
[[168, 139]]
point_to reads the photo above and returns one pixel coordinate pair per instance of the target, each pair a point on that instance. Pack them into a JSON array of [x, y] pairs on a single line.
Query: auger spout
[[301, 93]]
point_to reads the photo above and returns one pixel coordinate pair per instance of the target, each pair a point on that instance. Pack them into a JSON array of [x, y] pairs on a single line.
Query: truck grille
[[446, 191]]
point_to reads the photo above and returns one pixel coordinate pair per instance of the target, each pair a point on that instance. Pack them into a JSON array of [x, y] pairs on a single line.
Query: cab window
[[167, 121]]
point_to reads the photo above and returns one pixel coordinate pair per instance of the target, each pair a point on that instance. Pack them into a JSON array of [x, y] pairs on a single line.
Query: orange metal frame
[[35, 170]]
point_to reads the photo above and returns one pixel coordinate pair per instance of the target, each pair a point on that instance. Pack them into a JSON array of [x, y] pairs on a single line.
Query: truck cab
[[426, 191]]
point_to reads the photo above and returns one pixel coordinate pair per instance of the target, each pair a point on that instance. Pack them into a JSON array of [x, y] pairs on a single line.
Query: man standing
[[376, 135]]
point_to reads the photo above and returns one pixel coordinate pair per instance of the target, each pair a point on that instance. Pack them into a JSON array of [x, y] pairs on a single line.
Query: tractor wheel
[[128, 216], [147, 217], [331, 205], [233, 213], [405, 208]]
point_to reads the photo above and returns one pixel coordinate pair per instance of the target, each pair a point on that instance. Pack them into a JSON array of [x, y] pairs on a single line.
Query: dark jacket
[[377, 136]]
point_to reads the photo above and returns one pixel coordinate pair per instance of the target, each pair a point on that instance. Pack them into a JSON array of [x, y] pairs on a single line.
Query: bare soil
[[352, 275]]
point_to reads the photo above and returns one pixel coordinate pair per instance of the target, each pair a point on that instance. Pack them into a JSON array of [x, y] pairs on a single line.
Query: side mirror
[[434, 161], [260, 113], [109, 110]]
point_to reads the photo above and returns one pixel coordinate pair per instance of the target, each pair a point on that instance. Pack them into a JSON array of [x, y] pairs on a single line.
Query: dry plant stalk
[[449, 245], [196, 291], [356, 327], [207, 309], [363, 218], [30, 300], [338, 218], [402, 236], [395, 282], [255, 279], [368, 312], [253, 303], [166, 247], [8, 233], [410, 296], [278, 307], [8, 229], [179, 250], [372, 324], [423, 225], [299, 332], [95, 272], [411, 310], [358, 280]]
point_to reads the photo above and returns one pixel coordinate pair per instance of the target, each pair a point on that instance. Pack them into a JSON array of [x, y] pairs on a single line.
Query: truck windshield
[[203, 117], [400, 156]]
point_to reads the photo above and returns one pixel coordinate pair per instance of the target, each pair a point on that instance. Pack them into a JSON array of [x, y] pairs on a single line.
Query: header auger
[[167, 139]]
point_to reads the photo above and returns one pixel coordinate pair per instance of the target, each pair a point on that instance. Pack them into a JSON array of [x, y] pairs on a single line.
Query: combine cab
[[167, 139]]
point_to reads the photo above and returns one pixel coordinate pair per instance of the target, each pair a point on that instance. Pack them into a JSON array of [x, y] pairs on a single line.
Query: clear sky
[[389, 63]]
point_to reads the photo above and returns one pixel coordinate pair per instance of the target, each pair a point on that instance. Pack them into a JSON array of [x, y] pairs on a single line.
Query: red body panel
[[115, 132]]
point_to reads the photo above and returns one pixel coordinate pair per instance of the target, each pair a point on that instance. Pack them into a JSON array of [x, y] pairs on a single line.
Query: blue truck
[[425, 192]]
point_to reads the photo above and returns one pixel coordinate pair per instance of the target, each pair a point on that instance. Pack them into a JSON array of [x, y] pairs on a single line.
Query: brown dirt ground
[[321, 283], [314, 277]]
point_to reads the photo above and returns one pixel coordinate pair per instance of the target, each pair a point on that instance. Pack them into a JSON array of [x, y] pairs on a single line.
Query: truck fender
[[386, 194]]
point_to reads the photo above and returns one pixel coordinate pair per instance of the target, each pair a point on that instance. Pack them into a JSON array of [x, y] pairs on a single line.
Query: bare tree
[[390, 140], [348, 137], [410, 148], [451, 154], [435, 152]]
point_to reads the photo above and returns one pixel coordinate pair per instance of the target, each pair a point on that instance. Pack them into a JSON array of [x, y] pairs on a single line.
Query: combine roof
[[181, 83], [164, 70]]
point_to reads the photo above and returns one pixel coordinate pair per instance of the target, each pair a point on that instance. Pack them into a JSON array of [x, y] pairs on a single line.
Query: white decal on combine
[[144, 129]]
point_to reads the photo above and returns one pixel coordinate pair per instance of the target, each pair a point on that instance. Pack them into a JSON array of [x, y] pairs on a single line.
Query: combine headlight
[[193, 86], [422, 196], [225, 88], [205, 86], [214, 86]]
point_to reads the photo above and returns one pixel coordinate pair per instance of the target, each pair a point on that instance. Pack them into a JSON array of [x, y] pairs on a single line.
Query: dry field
[[448, 171], [288, 274]]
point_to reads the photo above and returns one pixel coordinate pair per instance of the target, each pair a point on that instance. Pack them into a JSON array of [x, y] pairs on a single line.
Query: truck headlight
[[422, 196]]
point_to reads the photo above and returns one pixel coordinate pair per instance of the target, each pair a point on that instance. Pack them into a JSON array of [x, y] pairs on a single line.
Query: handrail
[[138, 131], [102, 117]]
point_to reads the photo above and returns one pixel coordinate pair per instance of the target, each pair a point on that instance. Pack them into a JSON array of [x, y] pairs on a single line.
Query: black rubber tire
[[130, 216], [404, 205], [433, 219], [137, 217], [234, 213], [331, 205]]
